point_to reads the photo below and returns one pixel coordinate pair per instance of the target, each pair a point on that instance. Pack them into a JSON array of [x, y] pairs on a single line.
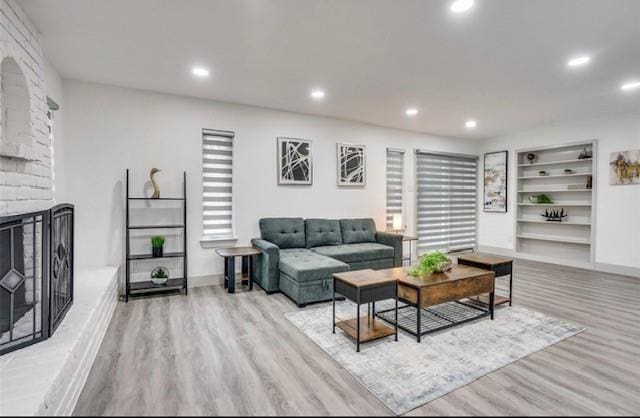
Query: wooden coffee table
[[438, 299], [501, 266], [365, 286]]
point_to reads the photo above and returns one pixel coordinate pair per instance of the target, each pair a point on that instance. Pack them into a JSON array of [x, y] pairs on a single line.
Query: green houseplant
[[431, 262], [157, 245], [160, 275]]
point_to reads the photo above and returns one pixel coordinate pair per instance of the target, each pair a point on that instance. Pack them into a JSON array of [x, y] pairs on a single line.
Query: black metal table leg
[[226, 273], [358, 324], [232, 274], [419, 318], [249, 272], [510, 284], [334, 305], [396, 318], [492, 298]]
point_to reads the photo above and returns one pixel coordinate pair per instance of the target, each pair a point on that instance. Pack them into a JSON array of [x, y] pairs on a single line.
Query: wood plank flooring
[[211, 353]]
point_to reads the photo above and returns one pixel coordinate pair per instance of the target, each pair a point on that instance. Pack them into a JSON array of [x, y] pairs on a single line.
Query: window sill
[[212, 241]]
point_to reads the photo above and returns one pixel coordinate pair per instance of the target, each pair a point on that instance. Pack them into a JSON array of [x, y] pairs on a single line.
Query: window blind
[[395, 178], [217, 184], [446, 201]]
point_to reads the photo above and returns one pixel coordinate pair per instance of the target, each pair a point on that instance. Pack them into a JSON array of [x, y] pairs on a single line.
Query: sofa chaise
[[300, 256]]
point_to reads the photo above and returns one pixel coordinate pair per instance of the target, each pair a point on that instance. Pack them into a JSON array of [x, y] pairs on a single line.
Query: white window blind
[[395, 180], [446, 201], [217, 184]]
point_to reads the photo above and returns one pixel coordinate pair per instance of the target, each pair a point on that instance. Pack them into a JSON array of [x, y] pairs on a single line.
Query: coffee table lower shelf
[[370, 328], [435, 318]]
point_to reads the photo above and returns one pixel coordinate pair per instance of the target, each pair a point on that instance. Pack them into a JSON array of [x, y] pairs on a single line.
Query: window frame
[[218, 238], [474, 157], [401, 151]]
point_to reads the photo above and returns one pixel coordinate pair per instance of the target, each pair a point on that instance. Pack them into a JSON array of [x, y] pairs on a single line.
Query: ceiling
[[503, 63]]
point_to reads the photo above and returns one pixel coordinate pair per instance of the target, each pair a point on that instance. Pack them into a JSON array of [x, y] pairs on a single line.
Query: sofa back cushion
[[284, 232], [321, 232], [358, 230]]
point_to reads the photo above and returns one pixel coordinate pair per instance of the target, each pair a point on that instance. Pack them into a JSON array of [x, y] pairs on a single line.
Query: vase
[[444, 266], [157, 251]]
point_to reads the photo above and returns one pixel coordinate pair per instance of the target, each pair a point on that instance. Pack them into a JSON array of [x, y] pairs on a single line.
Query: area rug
[[405, 374]]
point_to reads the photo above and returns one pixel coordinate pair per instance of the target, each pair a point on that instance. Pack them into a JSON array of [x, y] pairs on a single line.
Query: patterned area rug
[[405, 374]]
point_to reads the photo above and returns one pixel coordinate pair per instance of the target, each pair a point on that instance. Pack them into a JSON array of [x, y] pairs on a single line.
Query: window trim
[[232, 236], [475, 157]]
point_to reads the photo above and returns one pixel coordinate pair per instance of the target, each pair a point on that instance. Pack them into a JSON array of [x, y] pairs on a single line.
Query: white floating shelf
[[533, 221], [576, 204], [568, 240], [554, 191], [556, 162], [554, 176]]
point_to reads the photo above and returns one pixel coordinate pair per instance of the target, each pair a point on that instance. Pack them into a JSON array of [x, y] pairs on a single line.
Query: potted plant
[[157, 244], [160, 275], [431, 262]]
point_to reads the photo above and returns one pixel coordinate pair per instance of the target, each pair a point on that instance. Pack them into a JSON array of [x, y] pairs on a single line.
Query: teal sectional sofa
[[300, 256]]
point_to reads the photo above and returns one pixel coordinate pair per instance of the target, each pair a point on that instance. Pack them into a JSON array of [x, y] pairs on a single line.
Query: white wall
[[617, 229], [53, 89], [109, 129]]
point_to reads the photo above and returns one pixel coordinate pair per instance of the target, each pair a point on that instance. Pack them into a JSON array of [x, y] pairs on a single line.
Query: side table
[[365, 286], [501, 266], [408, 238], [229, 255]]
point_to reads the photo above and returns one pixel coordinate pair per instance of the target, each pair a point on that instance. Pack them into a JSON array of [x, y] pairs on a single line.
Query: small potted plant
[[160, 275], [431, 262], [157, 244]]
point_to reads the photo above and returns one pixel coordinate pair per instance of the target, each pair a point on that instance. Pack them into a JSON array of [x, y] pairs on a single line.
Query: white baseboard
[[604, 267], [617, 269], [206, 280]]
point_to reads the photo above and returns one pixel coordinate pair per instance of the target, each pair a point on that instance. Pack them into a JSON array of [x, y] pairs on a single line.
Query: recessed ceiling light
[[631, 85], [318, 94], [471, 124], [412, 111], [579, 61], [200, 72], [461, 6]]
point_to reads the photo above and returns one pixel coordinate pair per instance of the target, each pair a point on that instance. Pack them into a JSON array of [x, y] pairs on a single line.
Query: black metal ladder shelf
[[174, 284]]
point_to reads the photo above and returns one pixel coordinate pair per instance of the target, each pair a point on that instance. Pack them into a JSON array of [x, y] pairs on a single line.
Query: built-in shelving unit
[[147, 287], [569, 241]]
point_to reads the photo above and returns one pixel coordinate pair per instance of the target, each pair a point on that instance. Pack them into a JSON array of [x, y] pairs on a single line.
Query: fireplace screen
[[36, 275]]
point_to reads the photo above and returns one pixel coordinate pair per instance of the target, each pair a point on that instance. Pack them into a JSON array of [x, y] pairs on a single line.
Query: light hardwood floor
[[218, 354]]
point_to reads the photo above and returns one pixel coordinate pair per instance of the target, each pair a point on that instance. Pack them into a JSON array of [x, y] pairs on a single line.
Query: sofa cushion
[[322, 232], [284, 232], [358, 230], [352, 253], [304, 265]]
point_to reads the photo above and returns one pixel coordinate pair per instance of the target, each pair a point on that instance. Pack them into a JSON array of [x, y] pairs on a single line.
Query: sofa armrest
[[265, 266], [392, 240]]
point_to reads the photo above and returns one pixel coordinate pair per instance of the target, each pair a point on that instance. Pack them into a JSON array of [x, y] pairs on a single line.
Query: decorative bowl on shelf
[[568, 171], [542, 173], [160, 275]]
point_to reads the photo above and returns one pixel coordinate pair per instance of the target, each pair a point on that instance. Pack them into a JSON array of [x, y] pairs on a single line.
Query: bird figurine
[[156, 188]]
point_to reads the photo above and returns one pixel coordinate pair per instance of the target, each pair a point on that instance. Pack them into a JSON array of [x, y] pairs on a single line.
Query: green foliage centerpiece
[[430, 263]]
